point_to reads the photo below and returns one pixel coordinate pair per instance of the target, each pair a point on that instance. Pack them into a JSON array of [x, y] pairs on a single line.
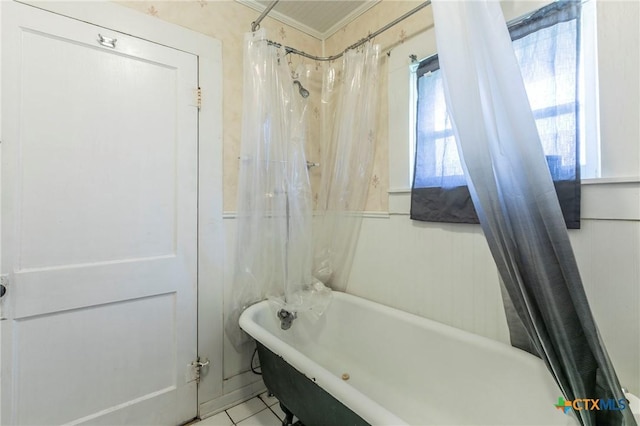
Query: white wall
[[619, 68], [445, 271], [238, 383]]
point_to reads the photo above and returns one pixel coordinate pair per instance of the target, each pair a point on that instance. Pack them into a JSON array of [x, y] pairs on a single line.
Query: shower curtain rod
[[256, 24]]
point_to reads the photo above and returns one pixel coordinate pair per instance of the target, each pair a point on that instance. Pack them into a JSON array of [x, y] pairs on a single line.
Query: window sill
[[393, 191], [610, 180], [591, 181], [615, 198]]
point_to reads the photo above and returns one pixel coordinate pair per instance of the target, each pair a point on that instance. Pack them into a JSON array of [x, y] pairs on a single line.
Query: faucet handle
[[286, 318]]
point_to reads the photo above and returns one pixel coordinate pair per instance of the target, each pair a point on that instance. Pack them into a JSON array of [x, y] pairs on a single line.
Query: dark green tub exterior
[[301, 395]]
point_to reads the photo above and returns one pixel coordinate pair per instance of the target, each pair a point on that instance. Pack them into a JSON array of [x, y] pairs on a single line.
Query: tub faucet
[[286, 318]]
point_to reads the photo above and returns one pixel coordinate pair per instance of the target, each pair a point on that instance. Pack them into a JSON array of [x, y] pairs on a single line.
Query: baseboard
[[209, 408]]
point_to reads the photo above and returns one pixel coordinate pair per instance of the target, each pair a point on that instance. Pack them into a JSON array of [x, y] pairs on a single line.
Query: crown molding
[[320, 35]]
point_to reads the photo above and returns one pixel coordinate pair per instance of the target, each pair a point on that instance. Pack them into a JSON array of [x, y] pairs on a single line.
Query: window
[[548, 47]]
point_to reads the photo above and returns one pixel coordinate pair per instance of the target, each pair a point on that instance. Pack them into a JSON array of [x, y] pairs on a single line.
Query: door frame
[[210, 184]]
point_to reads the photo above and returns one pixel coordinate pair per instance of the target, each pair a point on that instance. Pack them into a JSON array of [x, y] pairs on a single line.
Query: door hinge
[[194, 370], [198, 94]]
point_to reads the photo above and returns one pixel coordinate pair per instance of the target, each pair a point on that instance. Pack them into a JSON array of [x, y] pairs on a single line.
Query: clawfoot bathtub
[[365, 363]]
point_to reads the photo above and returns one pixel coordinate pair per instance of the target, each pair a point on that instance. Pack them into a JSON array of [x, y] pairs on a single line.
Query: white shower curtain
[[514, 196], [274, 249], [350, 95]]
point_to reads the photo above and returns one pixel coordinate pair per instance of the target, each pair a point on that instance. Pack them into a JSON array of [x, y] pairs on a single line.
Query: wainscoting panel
[[445, 272]]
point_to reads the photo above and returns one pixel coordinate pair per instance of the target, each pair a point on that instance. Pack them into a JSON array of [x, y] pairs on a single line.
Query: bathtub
[[365, 363]]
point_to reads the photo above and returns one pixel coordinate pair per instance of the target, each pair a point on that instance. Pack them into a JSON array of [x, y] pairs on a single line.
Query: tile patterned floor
[[262, 410]]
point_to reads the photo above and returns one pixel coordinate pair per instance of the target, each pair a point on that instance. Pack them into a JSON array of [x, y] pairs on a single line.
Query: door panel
[[99, 155], [99, 225], [141, 330]]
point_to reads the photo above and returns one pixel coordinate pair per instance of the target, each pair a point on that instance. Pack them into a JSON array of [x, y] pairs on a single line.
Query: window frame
[[404, 62], [439, 190]]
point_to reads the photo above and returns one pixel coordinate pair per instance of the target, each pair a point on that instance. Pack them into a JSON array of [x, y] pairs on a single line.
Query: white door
[[99, 225]]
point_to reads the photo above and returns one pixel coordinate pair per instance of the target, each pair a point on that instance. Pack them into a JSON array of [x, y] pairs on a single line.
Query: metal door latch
[[194, 370]]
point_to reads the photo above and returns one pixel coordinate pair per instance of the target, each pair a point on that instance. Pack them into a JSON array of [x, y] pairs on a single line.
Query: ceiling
[[318, 18]]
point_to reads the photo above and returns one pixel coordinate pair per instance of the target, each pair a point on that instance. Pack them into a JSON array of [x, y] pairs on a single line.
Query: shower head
[[303, 92]]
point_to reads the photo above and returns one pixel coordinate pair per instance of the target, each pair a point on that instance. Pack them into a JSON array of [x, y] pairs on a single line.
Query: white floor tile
[[276, 409], [269, 400], [220, 419], [246, 409], [263, 418]]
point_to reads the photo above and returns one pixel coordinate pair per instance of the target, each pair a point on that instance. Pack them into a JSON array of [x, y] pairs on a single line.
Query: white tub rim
[[352, 398]]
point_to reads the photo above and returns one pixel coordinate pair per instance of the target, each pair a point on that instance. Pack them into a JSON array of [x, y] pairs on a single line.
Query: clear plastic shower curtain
[[347, 161], [274, 249]]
